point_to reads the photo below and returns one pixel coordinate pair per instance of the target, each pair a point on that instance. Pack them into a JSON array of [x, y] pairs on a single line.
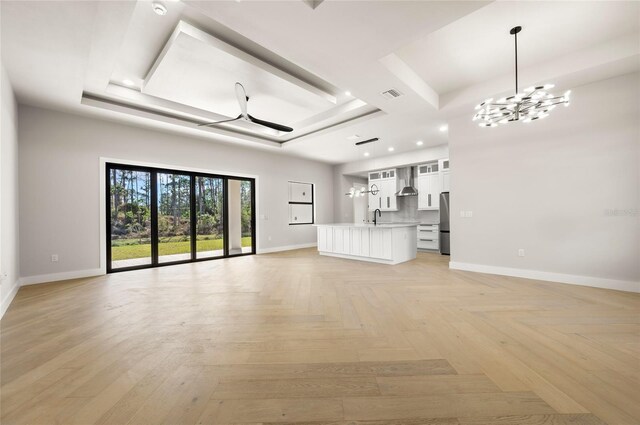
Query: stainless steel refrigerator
[[445, 244]]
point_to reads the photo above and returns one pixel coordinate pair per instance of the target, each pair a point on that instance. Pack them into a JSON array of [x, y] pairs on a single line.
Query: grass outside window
[[127, 249]]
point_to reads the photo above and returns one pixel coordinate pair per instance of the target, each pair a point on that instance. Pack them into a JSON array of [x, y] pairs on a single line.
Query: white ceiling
[[478, 47], [443, 56]]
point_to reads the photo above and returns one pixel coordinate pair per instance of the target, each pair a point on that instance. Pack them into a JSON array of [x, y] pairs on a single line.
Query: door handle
[[388, 202], [429, 199]]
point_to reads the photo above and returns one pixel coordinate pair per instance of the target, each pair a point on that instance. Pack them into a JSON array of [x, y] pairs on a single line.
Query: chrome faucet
[[375, 222]]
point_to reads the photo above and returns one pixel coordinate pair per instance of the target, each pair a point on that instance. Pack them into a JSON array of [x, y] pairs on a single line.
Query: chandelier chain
[[516, 38]]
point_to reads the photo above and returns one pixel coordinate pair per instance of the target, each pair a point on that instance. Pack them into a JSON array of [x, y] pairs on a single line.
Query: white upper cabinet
[[429, 186], [446, 181], [433, 194], [430, 168], [388, 174], [444, 164], [300, 192], [389, 200], [387, 183], [446, 176], [433, 178], [422, 187]]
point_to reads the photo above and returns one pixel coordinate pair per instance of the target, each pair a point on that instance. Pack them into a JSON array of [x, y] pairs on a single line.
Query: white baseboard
[[596, 282], [54, 277], [6, 301], [286, 248]]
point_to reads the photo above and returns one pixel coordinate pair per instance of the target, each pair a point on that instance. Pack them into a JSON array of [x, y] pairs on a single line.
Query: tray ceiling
[[199, 70], [191, 78]]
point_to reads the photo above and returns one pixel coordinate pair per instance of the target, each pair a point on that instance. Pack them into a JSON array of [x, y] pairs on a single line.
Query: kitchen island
[[386, 243]]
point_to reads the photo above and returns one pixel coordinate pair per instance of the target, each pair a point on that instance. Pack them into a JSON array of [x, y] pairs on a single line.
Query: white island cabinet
[[387, 243]]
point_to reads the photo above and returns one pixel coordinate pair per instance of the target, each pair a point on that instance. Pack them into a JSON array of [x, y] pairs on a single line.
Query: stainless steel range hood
[[410, 189]]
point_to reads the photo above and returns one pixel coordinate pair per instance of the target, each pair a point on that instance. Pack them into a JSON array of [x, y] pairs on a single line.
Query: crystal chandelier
[[533, 104]]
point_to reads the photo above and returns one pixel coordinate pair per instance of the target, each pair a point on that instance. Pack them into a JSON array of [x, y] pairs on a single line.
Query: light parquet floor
[[299, 338]]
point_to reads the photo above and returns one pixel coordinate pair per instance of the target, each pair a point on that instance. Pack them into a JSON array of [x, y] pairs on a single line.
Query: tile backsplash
[[408, 211]]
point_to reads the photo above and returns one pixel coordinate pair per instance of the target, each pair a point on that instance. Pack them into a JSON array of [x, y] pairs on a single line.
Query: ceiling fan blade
[[272, 125], [241, 95], [219, 122]]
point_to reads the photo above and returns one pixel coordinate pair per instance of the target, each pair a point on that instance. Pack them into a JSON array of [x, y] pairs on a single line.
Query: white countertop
[[383, 225]]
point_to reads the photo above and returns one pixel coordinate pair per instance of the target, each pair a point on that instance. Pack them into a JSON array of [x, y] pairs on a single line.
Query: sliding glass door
[[158, 217], [130, 217], [174, 217], [210, 222], [241, 220]]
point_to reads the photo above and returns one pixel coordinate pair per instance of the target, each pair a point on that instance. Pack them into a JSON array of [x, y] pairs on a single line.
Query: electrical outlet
[[54, 258], [268, 237], [521, 252]]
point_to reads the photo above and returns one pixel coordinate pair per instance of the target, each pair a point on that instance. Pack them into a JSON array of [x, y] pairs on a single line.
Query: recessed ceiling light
[[159, 8], [390, 149], [348, 93], [366, 154], [419, 143], [128, 82], [443, 128]]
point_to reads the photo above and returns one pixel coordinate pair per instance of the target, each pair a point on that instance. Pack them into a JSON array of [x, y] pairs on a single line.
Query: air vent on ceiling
[[391, 94]]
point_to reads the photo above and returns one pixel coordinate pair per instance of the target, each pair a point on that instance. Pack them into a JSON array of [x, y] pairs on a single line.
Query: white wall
[[549, 187], [343, 205], [9, 245], [60, 185]]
